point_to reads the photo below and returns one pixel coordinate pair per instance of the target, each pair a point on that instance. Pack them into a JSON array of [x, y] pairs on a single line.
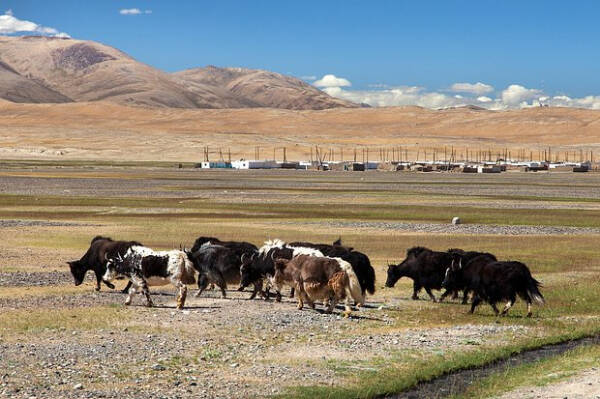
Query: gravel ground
[[260, 184], [188, 355], [161, 352], [23, 279], [221, 348], [455, 229], [33, 223]]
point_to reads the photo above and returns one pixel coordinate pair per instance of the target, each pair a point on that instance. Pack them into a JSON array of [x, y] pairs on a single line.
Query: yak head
[[396, 272], [111, 267], [78, 270], [249, 273], [453, 271]]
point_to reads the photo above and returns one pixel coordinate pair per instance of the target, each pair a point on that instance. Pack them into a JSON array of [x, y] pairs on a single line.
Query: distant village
[[476, 162]]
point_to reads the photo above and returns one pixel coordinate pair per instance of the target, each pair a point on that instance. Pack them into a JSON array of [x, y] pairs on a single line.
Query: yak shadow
[[163, 306]]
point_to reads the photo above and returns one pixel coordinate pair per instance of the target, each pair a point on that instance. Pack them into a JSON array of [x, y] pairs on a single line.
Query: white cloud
[[10, 24], [515, 95], [473, 88], [332, 81], [133, 11], [130, 11]]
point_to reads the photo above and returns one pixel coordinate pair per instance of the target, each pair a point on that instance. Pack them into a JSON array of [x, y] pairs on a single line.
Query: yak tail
[[353, 290], [189, 270], [370, 285], [533, 291]]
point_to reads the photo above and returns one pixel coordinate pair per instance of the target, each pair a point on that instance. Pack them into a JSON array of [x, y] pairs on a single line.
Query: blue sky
[[386, 50]]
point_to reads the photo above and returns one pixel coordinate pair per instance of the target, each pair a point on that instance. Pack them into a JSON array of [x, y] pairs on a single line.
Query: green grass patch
[[543, 372]]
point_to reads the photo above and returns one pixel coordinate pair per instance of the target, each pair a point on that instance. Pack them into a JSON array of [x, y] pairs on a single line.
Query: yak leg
[[416, 289], [219, 281], [302, 293], [257, 289], [332, 304], [446, 293], [132, 290], [202, 284], [126, 289], [428, 290], [181, 295], [455, 294], [301, 296], [465, 297], [476, 301], [139, 281], [508, 305], [529, 313], [493, 305]]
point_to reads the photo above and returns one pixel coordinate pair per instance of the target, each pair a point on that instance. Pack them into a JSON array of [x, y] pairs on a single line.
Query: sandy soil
[[585, 385], [109, 131]]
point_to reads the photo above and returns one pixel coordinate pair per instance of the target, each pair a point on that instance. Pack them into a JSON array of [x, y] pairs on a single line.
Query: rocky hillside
[[38, 69]]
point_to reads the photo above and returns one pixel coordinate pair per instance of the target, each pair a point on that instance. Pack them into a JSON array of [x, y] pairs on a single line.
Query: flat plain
[[58, 340]]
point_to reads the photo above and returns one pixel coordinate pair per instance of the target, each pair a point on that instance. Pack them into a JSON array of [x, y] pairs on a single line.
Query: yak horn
[[242, 257], [272, 254]]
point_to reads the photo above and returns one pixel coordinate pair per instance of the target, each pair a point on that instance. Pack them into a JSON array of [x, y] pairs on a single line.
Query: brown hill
[[110, 131], [18, 89], [58, 70], [258, 88]]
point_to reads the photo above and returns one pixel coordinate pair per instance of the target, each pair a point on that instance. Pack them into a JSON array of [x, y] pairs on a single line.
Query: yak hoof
[[110, 285], [97, 288], [300, 306], [149, 304], [529, 314], [347, 313]]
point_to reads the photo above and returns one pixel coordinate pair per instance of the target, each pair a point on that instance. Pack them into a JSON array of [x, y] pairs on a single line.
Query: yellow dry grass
[[109, 131]]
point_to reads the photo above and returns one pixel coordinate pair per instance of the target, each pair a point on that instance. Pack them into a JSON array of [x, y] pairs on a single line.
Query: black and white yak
[[95, 257], [145, 267]]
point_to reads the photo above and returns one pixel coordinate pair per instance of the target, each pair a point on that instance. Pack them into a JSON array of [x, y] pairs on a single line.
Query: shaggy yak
[[145, 267], [359, 261], [221, 266], [497, 281], [260, 265], [95, 259], [218, 265], [319, 278], [425, 267], [463, 275]]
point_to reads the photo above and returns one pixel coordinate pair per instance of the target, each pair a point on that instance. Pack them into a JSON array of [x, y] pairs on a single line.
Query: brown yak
[[319, 278]]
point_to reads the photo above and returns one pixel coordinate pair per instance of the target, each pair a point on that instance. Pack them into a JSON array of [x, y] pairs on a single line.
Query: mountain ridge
[[54, 70]]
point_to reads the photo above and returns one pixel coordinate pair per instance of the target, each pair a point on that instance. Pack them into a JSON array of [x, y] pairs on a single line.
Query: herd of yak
[[328, 273]]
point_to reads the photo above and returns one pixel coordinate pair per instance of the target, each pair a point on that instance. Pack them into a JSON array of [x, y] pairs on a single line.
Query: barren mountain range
[[35, 69], [108, 131]]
